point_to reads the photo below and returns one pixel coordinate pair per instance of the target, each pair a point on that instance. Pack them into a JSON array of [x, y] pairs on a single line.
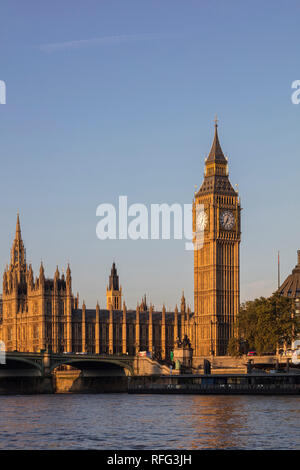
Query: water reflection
[[120, 421], [217, 422]]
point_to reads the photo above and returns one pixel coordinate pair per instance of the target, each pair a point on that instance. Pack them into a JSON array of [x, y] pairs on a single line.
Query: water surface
[[121, 421]]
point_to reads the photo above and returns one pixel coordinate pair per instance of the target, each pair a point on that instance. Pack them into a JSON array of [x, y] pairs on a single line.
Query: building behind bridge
[[43, 313]]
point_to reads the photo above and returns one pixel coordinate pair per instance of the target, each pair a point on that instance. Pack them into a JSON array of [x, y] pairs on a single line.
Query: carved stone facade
[[113, 291], [36, 313], [217, 225], [43, 313]]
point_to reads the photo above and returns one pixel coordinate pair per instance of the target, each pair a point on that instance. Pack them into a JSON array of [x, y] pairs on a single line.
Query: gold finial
[[216, 120]]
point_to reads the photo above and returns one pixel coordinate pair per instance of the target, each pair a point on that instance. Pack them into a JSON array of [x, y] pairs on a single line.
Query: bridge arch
[[114, 366], [15, 362]]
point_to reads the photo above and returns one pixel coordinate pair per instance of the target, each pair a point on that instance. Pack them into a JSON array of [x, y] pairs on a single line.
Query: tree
[[233, 348], [265, 323]]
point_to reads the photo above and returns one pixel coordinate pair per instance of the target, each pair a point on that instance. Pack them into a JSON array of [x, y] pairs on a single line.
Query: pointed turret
[[56, 275], [18, 255], [216, 153], [68, 272], [216, 178], [113, 291], [182, 304], [18, 228], [68, 277], [113, 278], [42, 274], [143, 305], [30, 276]]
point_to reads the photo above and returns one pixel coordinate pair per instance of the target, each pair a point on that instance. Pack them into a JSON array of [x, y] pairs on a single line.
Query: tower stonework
[[217, 229], [36, 312], [113, 291], [39, 314]]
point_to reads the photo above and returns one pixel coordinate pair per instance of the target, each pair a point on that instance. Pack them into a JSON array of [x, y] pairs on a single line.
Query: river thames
[[121, 421]]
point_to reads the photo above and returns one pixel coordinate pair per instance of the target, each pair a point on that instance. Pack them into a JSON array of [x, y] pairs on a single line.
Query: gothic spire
[[216, 152], [18, 255], [182, 303], [56, 274], [113, 278], [42, 272], [68, 276], [18, 228], [216, 179], [143, 305]]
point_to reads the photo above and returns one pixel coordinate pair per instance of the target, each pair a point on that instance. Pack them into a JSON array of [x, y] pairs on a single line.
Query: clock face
[[201, 220], [227, 220]]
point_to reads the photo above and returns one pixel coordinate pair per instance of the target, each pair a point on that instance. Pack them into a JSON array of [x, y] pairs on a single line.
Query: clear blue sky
[[106, 98]]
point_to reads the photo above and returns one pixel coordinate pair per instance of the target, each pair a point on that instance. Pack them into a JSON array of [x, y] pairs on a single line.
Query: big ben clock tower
[[217, 228]]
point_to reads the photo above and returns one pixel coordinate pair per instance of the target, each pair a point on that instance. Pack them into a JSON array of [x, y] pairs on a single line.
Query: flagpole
[[278, 272]]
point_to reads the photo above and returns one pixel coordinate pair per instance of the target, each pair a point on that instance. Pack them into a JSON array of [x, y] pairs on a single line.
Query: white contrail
[[105, 40]]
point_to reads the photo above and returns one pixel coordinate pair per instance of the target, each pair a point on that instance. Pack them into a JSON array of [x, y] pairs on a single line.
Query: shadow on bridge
[[100, 365], [64, 373], [20, 366], [21, 375], [90, 376]]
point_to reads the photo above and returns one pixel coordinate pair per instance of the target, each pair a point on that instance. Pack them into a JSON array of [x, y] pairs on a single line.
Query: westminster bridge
[[46, 372]]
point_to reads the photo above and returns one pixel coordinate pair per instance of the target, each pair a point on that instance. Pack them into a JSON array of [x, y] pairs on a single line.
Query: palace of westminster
[[43, 314]]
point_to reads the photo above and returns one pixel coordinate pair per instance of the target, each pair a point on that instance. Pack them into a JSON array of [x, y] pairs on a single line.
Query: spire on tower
[[56, 274], [114, 291], [18, 254], [182, 304], [216, 177], [68, 275], [113, 278], [216, 152], [18, 228], [42, 272], [143, 305]]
